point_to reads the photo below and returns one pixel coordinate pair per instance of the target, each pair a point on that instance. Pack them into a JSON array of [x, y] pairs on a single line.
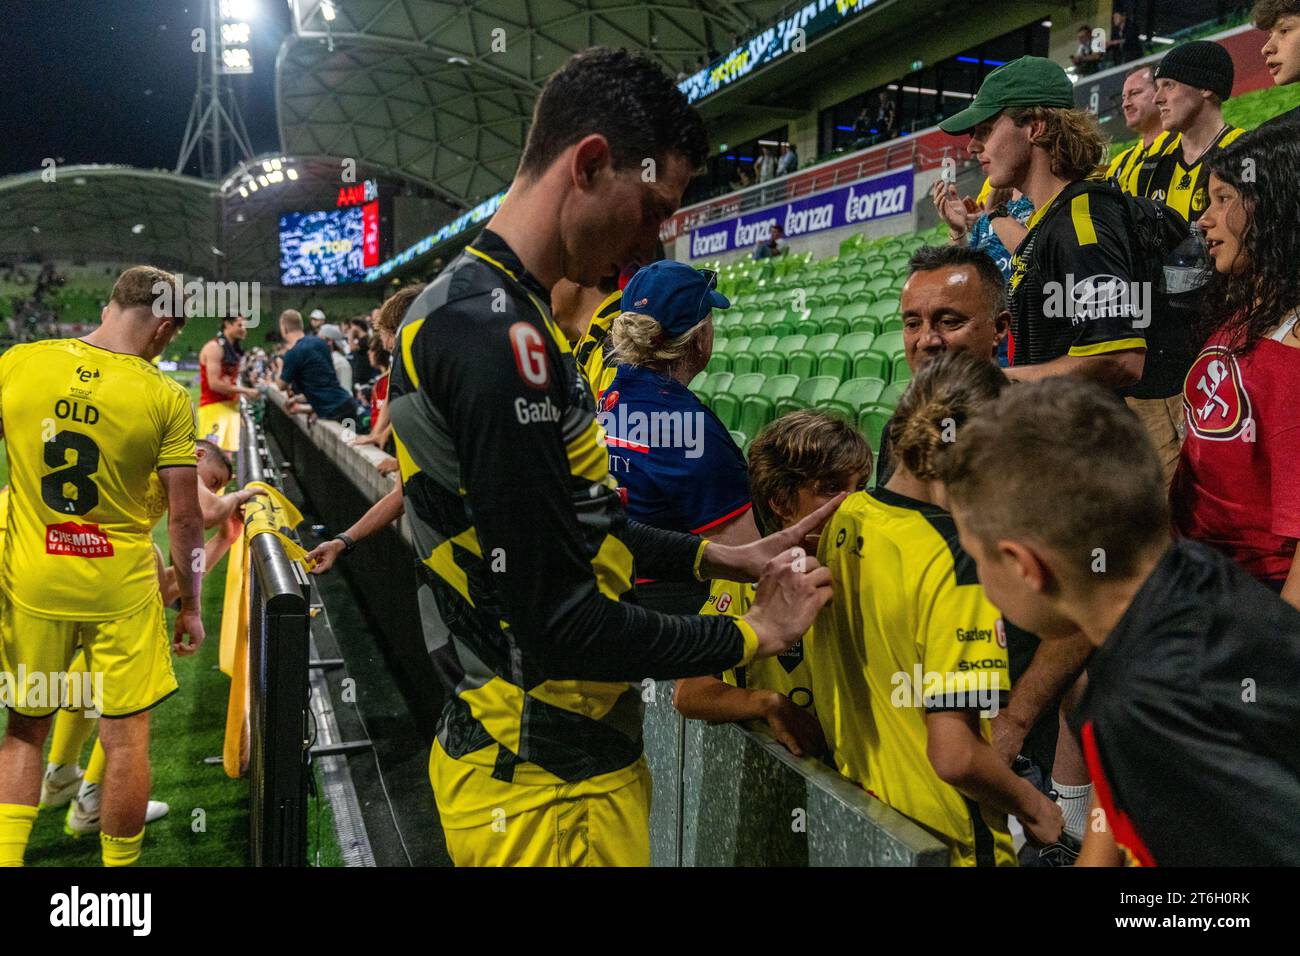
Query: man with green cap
[[1076, 302]]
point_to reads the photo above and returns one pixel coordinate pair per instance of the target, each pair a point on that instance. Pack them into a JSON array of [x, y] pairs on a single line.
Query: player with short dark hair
[[542, 724], [1188, 723]]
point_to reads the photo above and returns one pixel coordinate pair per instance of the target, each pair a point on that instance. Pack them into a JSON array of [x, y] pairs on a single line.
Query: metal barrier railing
[[279, 622]]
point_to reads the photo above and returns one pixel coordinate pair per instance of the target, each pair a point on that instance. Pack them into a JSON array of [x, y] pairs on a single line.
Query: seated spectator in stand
[[307, 369], [1281, 20], [796, 464], [1237, 486], [742, 179], [1086, 60], [789, 160], [1192, 763], [954, 300], [909, 661], [677, 464], [775, 244], [359, 352]]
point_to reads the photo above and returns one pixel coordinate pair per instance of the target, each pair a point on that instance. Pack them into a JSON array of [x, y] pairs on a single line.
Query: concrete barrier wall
[[724, 795]]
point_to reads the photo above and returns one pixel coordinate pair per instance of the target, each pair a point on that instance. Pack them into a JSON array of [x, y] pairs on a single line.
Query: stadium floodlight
[[238, 9], [137, 229], [292, 173], [327, 10]]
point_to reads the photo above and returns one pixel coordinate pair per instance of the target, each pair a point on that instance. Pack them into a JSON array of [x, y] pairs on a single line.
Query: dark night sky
[[112, 81]]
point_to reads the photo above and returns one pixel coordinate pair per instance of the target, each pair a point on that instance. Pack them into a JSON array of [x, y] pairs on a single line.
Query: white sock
[[1074, 803], [58, 773]]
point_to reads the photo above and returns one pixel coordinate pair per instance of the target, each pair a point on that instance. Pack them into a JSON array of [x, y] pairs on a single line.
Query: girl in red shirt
[[1237, 487]]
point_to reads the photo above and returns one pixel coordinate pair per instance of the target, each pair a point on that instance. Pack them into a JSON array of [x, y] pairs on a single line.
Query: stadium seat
[[719, 361], [880, 283], [726, 404], [805, 361], [774, 361], [901, 372], [810, 393], [697, 383], [741, 440], [882, 309], [893, 392], [892, 324], [889, 343], [871, 364], [856, 309], [737, 343], [747, 361], [715, 383], [839, 361], [836, 323], [759, 408], [872, 421], [865, 323], [854, 395]]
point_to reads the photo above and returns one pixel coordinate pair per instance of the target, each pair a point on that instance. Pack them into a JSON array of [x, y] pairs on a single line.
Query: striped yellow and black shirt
[[1185, 189], [593, 351], [522, 539], [1124, 168]]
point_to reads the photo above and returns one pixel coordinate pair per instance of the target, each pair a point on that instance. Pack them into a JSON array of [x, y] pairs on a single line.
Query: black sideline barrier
[[723, 795], [278, 640]]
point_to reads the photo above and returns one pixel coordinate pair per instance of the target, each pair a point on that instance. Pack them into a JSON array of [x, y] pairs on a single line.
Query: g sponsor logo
[[530, 355]]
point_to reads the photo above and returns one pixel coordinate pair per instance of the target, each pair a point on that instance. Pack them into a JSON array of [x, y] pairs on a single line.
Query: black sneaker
[[1061, 853]]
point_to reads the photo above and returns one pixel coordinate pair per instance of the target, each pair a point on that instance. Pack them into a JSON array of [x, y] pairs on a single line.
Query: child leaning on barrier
[[796, 464]]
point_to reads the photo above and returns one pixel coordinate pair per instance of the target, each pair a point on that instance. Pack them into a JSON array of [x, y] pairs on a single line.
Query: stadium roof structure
[[441, 92], [113, 213]]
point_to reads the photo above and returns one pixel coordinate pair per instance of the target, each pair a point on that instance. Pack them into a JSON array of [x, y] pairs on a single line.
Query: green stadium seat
[[806, 360], [726, 404], [738, 343], [773, 362], [880, 283], [892, 324], [757, 409], [865, 323], [810, 393], [853, 310], [836, 323], [901, 371], [816, 317], [883, 309], [715, 383], [889, 343], [741, 440], [697, 383], [854, 395], [719, 361], [747, 361], [854, 288], [871, 364], [872, 421], [893, 392], [839, 361]]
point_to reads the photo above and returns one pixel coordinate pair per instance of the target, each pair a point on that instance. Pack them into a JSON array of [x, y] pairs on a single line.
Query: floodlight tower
[[215, 117]]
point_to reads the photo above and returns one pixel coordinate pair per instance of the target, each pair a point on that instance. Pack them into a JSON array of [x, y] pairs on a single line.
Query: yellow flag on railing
[[268, 513]]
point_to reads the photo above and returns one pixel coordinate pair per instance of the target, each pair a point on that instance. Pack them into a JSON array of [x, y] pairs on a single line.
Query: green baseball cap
[[1028, 81]]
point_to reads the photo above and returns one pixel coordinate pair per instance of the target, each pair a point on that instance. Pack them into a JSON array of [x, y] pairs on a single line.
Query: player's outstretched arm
[[747, 562], [1055, 667], [185, 528]]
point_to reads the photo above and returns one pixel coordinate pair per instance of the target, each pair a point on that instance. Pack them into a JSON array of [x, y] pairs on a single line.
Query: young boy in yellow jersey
[[87, 422], [909, 661], [796, 464]]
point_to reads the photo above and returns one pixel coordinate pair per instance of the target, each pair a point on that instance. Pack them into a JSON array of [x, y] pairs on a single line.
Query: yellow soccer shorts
[[128, 664], [219, 424], [603, 821]]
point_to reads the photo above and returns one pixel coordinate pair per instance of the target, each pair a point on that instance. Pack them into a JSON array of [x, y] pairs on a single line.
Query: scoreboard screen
[[329, 247]]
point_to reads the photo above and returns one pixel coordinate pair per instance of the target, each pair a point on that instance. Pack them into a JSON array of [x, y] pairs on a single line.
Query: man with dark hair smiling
[[519, 525]]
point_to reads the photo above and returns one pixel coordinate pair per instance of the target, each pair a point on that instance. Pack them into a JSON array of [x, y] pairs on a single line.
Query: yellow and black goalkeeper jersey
[[86, 429], [1123, 169], [594, 347], [909, 633], [787, 673], [1075, 278], [522, 536], [1185, 189]]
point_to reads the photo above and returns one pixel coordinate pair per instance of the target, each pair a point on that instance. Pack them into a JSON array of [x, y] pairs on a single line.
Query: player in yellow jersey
[[909, 661], [86, 423], [796, 464], [64, 783]]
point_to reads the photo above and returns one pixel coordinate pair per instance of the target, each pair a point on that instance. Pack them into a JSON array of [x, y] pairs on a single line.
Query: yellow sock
[[120, 851], [95, 769], [71, 731], [16, 821]]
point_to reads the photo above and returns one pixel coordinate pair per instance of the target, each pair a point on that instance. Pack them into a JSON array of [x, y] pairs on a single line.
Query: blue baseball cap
[[675, 295]]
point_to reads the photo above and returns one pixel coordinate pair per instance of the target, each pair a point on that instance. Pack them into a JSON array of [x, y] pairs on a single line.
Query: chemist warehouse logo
[[74, 909]]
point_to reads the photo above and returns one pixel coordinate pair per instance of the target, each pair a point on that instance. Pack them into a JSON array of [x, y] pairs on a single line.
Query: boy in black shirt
[[1189, 721]]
